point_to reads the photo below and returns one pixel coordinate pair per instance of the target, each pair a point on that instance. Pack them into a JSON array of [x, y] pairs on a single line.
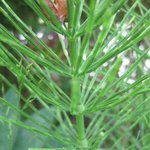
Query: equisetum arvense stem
[[77, 110]]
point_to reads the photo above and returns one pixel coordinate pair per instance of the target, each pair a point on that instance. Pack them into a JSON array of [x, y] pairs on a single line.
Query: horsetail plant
[[106, 105]]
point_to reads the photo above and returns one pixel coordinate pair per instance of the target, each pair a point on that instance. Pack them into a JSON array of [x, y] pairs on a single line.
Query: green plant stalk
[[81, 131], [77, 109], [73, 53]]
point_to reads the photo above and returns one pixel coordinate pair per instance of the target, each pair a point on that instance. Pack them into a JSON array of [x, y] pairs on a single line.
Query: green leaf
[[26, 139], [8, 130]]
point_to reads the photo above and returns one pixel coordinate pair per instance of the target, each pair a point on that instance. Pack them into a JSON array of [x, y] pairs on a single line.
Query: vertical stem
[[81, 131], [73, 53], [76, 105], [77, 109]]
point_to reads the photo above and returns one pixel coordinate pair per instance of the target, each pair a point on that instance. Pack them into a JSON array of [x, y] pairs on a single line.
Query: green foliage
[[8, 130], [101, 109]]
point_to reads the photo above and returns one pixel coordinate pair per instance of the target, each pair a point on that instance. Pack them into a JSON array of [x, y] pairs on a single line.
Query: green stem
[[73, 53], [81, 130], [77, 110]]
